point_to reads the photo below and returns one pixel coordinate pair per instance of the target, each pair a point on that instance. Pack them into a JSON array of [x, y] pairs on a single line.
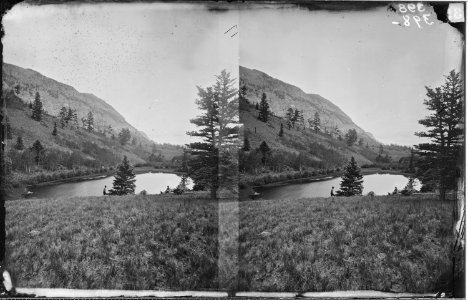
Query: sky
[[374, 70], [147, 59], [143, 59]]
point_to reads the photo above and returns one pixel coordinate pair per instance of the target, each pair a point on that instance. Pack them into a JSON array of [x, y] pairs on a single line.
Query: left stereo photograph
[[121, 142]]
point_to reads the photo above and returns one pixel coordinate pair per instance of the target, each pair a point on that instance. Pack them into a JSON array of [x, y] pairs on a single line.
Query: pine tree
[[246, 146], [281, 133], [360, 142], [124, 136], [438, 163], [264, 108], [265, 150], [351, 181], [213, 162], [411, 162], [256, 106], [243, 93], [38, 149], [381, 150], [290, 121], [124, 179], [37, 108], [74, 119], [19, 143], [54, 132], [351, 137], [69, 116], [89, 123], [63, 117], [298, 117], [316, 122]]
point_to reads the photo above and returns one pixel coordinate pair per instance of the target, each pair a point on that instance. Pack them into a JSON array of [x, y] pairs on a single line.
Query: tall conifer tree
[[438, 166], [124, 180], [213, 160], [264, 109], [351, 181], [37, 108]]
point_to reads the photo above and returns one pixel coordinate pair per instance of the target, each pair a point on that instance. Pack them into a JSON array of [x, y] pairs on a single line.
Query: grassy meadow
[[129, 242], [386, 243]]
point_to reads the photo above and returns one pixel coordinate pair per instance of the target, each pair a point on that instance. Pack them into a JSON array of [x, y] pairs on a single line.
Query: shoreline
[[17, 192], [366, 171], [136, 170]]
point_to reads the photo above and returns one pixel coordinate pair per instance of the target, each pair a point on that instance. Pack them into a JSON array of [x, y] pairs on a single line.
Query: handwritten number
[[426, 19], [407, 20], [417, 19], [421, 7], [402, 8]]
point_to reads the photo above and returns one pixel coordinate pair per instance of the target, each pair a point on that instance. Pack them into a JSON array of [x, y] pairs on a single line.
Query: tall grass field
[[111, 242], [387, 243]]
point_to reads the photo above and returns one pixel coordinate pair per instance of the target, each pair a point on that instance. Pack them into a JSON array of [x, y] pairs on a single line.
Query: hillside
[[74, 147], [282, 95], [301, 146], [55, 95]]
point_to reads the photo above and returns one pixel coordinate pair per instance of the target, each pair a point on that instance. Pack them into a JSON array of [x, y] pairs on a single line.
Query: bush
[[198, 187], [259, 181], [143, 192], [406, 192], [267, 179], [178, 191], [242, 185]]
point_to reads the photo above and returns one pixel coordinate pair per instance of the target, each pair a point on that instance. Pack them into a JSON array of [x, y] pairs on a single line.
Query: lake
[[153, 183], [380, 184]]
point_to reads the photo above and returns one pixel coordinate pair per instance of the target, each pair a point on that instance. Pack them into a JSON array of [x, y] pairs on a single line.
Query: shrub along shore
[[275, 179], [20, 181]]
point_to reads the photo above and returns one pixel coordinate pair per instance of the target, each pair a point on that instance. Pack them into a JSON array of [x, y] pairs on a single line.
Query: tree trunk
[[441, 190]]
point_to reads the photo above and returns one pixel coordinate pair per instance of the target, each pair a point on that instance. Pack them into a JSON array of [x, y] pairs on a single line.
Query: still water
[[153, 183], [380, 184]]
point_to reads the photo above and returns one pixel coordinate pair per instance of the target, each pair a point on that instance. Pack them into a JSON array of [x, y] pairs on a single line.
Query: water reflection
[[380, 184], [152, 183]]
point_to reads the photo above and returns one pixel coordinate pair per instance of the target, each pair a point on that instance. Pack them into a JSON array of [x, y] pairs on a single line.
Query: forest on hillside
[[273, 143], [43, 146]]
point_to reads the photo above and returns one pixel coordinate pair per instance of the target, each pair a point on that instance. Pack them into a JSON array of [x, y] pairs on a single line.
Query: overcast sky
[[143, 59], [375, 71], [146, 59]]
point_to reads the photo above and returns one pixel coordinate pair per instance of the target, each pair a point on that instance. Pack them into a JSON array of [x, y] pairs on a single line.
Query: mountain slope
[[300, 146], [55, 95], [282, 95], [73, 146]]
